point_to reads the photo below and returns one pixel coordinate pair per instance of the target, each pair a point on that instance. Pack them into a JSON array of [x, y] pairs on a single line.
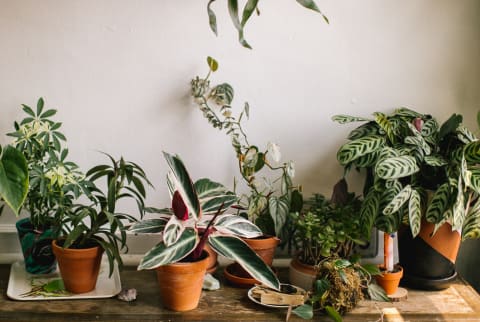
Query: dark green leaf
[[304, 311], [212, 19], [450, 125], [250, 6], [28, 110], [48, 113], [40, 104]]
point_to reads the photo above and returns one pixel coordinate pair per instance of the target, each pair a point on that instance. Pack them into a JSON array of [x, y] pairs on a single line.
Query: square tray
[[20, 282]]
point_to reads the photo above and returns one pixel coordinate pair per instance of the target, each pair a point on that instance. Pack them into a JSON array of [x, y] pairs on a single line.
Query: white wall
[[118, 72]]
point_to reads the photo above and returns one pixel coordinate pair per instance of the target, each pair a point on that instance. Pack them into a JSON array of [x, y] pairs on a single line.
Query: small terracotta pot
[[79, 268], [390, 281], [302, 275], [181, 283]]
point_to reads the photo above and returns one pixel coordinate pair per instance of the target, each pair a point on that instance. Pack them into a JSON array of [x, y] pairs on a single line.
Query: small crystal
[[127, 295]]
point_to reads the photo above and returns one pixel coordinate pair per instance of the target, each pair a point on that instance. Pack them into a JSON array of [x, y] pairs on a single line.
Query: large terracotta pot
[[36, 248], [181, 283], [429, 261], [301, 274], [79, 268]]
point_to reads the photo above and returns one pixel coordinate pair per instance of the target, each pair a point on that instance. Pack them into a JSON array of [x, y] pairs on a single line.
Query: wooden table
[[458, 303]]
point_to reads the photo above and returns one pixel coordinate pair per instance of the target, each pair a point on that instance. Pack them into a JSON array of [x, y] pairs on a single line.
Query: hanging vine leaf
[[212, 19], [233, 10]]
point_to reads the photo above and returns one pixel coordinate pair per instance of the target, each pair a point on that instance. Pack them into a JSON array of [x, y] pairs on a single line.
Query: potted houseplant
[[90, 230], [423, 174], [325, 228], [269, 201], [13, 178], [54, 184], [390, 274], [180, 252]]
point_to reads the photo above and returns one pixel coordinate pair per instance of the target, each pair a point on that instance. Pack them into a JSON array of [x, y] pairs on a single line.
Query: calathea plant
[[270, 200], [415, 168], [196, 218], [13, 178]]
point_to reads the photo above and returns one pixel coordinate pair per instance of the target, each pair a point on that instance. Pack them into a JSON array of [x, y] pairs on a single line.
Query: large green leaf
[[396, 167], [400, 199], [237, 226], [359, 147], [279, 210], [237, 250], [179, 179], [163, 255], [149, 226], [471, 226], [450, 125], [212, 195], [439, 204], [415, 212], [13, 178], [472, 152]]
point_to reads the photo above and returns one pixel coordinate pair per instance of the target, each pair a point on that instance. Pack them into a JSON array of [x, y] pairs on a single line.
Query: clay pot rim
[[55, 245], [391, 275]]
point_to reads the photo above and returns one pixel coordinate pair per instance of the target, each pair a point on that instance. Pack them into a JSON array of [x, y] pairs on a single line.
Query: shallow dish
[[277, 306]]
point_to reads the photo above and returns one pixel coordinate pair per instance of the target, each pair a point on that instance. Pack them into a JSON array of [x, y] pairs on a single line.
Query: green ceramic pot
[[36, 248]]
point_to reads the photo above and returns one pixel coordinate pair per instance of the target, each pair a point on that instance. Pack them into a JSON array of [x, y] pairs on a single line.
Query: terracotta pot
[[302, 275], [181, 283], [389, 281], [264, 246], [436, 270], [79, 268]]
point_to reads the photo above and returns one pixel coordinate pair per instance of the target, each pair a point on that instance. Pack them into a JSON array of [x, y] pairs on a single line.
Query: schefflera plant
[[196, 218]]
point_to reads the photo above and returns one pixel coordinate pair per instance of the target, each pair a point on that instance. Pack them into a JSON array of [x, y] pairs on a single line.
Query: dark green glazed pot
[[36, 248]]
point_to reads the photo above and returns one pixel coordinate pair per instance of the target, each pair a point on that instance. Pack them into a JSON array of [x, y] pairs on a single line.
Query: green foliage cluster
[[270, 200]]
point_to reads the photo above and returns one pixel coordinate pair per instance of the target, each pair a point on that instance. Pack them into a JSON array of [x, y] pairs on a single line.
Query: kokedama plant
[[195, 219], [270, 200], [415, 169]]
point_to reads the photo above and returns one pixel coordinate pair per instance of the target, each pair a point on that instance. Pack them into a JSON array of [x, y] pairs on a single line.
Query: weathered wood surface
[[458, 303]]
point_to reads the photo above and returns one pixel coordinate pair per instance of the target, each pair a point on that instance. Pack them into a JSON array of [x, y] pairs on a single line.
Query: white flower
[[291, 169], [274, 151]]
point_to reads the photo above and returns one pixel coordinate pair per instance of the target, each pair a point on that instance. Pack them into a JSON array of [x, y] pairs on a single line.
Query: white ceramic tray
[[21, 282]]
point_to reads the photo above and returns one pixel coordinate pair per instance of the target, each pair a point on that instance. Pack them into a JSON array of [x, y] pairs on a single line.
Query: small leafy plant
[[54, 182], [100, 223], [270, 199], [196, 218]]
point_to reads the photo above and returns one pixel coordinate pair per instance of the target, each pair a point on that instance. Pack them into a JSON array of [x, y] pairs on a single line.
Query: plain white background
[[118, 72]]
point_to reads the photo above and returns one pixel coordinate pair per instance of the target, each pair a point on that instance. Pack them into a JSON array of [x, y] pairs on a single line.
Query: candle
[[388, 252]]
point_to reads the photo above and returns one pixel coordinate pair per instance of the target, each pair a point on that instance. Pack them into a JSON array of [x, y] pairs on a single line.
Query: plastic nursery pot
[[79, 268], [181, 283], [389, 281], [301, 274], [36, 248]]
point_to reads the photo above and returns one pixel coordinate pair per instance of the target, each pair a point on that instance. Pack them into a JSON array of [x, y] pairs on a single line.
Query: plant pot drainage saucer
[[231, 275], [428, 284]]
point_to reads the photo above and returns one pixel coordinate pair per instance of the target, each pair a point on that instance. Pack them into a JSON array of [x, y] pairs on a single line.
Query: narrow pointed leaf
[[415, 212], [212, 19], [342, 119], [237, 250], [439, 204]]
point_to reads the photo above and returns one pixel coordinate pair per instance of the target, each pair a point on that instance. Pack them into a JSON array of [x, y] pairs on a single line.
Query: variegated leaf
[[465, 135], [459, 208], [367, 160], [396, 167], [415, 212], [236, 225], [400, 199], [342, 119], [429, 128], [439, 204], [472, 152], [237, 250], [457, 154], [385, 125], [435, 160], [357, 148], [475, 180], [368, 129], [471, 226], [149, 226], [173, 230], [403, 111], [419, 142], [465, 174], [388, 193], [163, 255], [369, 211], [212, 195], [388, 224], [279, 209], [388, 152], [179, 179]]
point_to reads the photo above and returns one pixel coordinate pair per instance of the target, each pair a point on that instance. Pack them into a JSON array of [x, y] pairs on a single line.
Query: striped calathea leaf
[[385, 124], [406, 112], [459, 210], [236, 249], [415, 212], [471, 152], [367, 129], [465, 135], [359, 147], [475, 180], [396, 167], [343, 119], [471, 226], [369, 211], [398, 201], [439, 204], [162, 254]]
